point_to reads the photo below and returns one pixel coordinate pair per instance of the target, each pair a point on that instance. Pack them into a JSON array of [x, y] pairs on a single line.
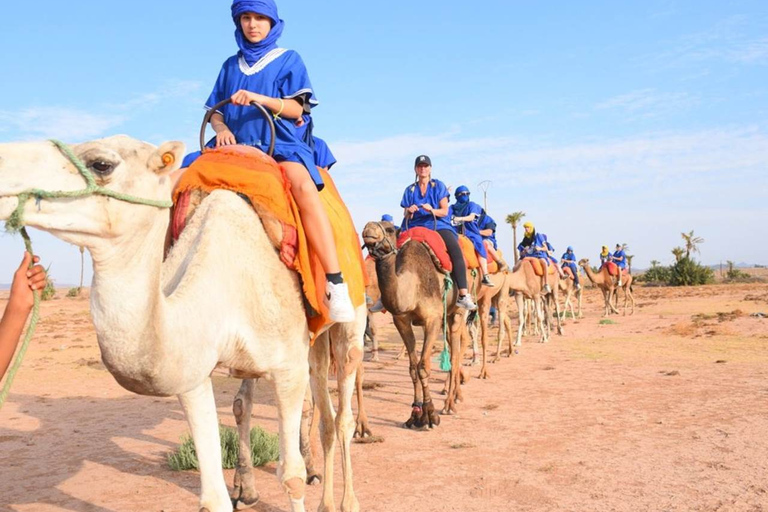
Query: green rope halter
[[15, 223], [445, 355]]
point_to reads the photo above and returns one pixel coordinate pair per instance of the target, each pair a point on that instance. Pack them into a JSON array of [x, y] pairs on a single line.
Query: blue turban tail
[[252, 52]]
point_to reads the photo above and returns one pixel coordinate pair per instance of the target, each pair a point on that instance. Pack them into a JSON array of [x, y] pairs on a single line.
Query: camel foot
[[484, 373], [462, 378], [244, 488], [496, 359], [423, 417], [314, 478], [449, 408], [362, 430]]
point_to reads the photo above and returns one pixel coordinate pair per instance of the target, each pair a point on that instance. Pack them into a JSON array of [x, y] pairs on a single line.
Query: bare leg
[[313, 216]]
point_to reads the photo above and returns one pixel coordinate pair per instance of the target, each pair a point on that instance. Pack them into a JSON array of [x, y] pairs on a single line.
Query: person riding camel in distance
[[534, 245], [551, 257], [605, 255], [569, 260], [425, 204], [277, 79], [464, 214], [620, 259], [487, 227]]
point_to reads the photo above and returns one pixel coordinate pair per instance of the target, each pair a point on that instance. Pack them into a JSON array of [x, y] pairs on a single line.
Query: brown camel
[[527, 285], [568, 287], [607, 285], [497, 296], [412, 290], [372, 296]]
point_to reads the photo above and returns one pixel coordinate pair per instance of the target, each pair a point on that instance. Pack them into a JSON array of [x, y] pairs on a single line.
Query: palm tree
[[692, 243], [629, 262], [678, 252], [654, 263], [513, 219]]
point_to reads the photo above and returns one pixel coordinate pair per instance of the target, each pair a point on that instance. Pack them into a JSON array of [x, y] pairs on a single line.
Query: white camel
[[221, 298]]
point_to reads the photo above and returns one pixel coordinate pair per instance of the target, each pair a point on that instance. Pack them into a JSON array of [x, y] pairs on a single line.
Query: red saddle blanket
[[432, 240], [568, 272], [613, 269]]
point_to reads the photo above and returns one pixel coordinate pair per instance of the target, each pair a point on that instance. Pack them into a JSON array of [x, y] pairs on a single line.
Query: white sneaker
[[339, 305], [466, 303]]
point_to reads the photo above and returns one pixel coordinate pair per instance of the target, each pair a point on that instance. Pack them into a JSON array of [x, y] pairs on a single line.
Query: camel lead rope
[[445, 356], [30, 331]]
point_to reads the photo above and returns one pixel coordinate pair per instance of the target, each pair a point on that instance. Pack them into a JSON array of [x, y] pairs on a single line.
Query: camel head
[[584, 262], [119, 164], [380, 239]]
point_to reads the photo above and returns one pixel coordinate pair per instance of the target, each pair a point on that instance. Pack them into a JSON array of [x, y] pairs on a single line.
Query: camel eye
[[102, 168]]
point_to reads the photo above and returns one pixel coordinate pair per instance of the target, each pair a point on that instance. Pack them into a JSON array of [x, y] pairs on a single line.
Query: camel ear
[[167, 158]]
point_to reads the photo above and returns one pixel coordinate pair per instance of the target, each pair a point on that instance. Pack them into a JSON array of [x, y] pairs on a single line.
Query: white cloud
[[53, 122], [649, 102]]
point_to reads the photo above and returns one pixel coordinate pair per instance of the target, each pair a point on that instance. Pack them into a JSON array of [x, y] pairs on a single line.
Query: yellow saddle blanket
[[252, 173]]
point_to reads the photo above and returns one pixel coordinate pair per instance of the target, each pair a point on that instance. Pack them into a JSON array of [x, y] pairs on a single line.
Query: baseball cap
[[422, 159]]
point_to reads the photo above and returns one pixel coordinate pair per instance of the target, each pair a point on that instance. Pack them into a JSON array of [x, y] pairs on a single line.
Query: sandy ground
[[663, 411]]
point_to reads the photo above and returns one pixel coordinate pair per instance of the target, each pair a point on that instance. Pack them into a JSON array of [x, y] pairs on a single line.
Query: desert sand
[[666, 410]]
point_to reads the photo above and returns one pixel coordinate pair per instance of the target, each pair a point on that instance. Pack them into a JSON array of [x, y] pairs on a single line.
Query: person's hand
[[25, 280], [413, 208], [300, 122], [245, 98], [427, 207], [225, 138], [471, 217]]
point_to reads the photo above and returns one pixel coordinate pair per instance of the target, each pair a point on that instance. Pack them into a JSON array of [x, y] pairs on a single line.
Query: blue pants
[[575, 271]]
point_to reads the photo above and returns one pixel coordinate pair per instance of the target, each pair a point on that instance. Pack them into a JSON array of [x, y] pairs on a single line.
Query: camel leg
[[403, 326], [473, 336], [371, 332], [429, 417], [541, 311], [455, 346], [361, 429], [309, 429], [244, 487], [521, 318], [347, 345], [485, 309], [319, 361], [556, 302], [200, 409]]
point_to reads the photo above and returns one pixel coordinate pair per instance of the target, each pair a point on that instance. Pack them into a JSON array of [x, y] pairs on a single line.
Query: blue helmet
[[461, 190], [386, 218]]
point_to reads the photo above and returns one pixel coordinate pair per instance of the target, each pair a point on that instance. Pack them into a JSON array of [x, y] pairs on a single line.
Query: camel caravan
[[173, 297]]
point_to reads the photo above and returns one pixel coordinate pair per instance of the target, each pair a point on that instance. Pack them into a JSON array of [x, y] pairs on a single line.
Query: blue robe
[[620, 254], [280, 73], [323, 156], [486, 222], [436, 191], [470, 229], [569, 260], [539, 240]]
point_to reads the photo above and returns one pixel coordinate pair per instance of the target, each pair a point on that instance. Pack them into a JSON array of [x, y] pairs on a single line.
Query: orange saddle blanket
[[431, 239], [253, 174], [538, 266], [568, 272]]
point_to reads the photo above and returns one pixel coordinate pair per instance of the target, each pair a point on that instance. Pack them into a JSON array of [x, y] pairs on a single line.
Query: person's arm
[[486, 232], [438, 212], [287, 108], [224, 137], [20, 303]]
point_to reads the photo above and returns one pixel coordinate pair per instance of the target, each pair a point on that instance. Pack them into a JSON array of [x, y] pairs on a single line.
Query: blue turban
[[569, 249], [252, 52], [386, 218]]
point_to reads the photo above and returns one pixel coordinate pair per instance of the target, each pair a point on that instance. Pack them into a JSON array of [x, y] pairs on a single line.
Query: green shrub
[[657, 274], [687, 272], [74, 292], [264, 449]]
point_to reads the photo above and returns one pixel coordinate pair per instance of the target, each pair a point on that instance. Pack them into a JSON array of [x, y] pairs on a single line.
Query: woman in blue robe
[[619, 257], [569, 260], [425, 204], [464, 214], [277, 79]]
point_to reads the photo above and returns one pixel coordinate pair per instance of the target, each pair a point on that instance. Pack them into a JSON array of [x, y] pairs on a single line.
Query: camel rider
[[425, 203], [605, 255], [277, 79], [464, 214], [534, 245], [569, 260], [487, 228], [620, 259]]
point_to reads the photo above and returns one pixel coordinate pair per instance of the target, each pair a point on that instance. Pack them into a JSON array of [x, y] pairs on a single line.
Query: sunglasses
[[462, 194]]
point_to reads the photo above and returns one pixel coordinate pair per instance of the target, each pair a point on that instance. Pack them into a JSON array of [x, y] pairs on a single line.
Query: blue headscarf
[[462, 201], [252, 52], [386, 218]]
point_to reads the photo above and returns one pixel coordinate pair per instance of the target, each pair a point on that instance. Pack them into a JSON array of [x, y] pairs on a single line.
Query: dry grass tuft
[[369, 440], [369, 385]]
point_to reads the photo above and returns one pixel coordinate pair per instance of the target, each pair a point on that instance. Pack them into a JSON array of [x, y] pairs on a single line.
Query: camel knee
[[353, 360], [295, 488]]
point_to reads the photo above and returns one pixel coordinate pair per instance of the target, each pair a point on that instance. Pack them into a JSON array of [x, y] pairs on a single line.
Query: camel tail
[[471, 317]]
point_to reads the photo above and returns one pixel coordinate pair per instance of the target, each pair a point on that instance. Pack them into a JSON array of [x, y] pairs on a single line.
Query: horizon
[[606, 123]]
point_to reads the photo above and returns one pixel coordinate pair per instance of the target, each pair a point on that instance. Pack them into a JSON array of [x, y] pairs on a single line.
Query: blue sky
[[604, 121]]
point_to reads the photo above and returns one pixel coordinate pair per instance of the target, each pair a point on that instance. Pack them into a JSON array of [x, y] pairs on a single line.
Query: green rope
[[15, 223], [445, 356], [30, 330]]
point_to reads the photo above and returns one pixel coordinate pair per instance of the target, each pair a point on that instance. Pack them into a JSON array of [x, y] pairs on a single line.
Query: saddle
[[613, 269], [538, 266], [257, 178], [434, 243], [471, 256], [568, 272]]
